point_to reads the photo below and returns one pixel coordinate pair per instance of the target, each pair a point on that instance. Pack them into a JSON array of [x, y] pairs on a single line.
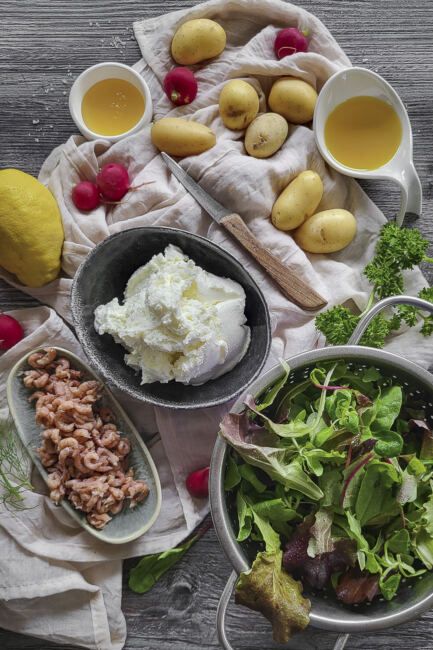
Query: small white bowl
[[99, 72], [354, 82]]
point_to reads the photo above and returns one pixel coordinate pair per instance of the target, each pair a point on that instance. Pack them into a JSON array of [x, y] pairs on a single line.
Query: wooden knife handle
[[290, 284]]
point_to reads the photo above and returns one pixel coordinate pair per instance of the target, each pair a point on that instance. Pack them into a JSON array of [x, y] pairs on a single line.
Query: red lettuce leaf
[[355, 587]]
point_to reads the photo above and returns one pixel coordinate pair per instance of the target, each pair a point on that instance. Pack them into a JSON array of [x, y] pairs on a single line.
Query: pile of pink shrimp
[[84, 454]]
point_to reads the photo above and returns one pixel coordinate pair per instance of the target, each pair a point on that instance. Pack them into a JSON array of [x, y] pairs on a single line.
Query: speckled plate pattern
[[127, 524], [103, 275]]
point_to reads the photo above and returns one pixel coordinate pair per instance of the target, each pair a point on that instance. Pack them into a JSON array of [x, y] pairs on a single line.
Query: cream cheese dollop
[[178, 321]]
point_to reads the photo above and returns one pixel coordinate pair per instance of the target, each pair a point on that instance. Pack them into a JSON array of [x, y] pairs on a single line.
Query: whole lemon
[[31, 232]]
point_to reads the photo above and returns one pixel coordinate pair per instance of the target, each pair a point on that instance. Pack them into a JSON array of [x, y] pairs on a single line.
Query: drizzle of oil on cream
[[112, 106], [363, 132]]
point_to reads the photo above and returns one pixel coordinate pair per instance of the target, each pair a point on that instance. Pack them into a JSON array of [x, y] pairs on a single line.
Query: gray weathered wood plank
[[44, 45]]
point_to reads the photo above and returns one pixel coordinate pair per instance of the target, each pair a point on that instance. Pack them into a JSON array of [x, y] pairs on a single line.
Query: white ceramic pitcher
[[355, 82]]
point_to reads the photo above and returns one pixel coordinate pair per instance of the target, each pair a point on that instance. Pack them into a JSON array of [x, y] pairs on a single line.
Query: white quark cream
[[178, 321]]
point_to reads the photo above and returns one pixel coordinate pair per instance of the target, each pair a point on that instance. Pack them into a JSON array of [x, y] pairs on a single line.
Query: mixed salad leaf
[[332, 479]]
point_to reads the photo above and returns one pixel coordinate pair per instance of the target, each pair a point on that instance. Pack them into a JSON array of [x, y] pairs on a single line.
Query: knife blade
[[295, 289]]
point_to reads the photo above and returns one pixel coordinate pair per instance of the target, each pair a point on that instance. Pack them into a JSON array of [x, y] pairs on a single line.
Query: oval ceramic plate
[[127, 524]]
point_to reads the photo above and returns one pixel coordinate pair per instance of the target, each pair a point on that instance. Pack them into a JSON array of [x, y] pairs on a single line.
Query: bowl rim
[[88, 348], [218, 507]]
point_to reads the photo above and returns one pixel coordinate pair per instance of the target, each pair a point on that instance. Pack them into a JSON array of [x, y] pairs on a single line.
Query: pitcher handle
[[411, 192], [221, 615], [383, 304]]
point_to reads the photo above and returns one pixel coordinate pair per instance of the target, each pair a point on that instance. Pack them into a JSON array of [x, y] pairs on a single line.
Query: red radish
[[85, 196], [10, 332], [289, 41], [113, 182], [197, 483], [180, 86]]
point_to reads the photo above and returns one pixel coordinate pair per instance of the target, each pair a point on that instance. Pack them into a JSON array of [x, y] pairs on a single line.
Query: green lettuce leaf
[[314, 458], [371, 374], [399, 542], [331, 485], [293, 429], [232, 477], [275, 511], [408, 489], [270, 537], [321, 540], [247, 472], [428, 515], [150, 568], [389, 444], [366, 556], [268, 589], [389, 587], [387, 406], [271, 394], [375, 495], [245, 516], [272, 460], [423, 544]]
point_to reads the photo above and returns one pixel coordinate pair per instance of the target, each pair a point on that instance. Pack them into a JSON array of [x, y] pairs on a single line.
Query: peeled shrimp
[[39, 360]]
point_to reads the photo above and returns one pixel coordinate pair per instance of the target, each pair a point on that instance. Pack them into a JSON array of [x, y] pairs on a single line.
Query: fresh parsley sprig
[[398, 249]]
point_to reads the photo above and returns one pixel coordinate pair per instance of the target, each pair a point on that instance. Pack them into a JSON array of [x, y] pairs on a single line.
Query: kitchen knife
[[290, 284]]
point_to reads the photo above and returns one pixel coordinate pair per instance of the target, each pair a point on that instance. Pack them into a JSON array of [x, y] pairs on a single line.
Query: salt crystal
[[36, 139], [64, 92], [35, 121]]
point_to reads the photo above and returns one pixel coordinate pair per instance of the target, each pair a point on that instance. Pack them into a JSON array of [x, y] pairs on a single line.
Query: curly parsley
[[398, 249]]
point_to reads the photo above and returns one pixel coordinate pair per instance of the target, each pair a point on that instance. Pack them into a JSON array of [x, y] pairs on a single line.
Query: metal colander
[[415, 596]]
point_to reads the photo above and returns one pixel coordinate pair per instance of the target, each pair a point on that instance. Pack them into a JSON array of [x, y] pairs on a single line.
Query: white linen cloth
[[56, 581]]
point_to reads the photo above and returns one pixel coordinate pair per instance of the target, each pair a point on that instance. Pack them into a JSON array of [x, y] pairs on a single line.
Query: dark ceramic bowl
[[103, 276]]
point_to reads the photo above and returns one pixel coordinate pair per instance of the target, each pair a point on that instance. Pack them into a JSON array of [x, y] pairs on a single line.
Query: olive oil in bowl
[[112, 106], [363, 132]]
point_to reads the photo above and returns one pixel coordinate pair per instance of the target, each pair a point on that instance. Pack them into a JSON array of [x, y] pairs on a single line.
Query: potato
[[239, 104], [326, 232], [265, 135], [297, 201], [197, 40], [179, 137], [294, 99]]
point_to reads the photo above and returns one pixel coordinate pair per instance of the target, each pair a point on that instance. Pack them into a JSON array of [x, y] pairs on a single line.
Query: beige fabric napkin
[[56, 581]]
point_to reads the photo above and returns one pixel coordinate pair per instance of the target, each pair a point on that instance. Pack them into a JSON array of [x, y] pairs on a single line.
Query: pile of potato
[[316, 232], [291, 100]]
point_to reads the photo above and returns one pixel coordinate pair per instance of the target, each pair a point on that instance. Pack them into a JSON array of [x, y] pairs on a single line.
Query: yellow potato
[[294, 99], [326, 232], [179, 137], [239, 104], [197, 40], [265, 135], [297, 201]]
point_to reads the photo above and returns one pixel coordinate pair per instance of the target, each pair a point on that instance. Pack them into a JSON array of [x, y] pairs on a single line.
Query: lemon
[[31, 232]]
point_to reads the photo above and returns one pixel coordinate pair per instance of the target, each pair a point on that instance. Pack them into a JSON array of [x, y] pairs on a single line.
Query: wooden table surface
[[43, 47]]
